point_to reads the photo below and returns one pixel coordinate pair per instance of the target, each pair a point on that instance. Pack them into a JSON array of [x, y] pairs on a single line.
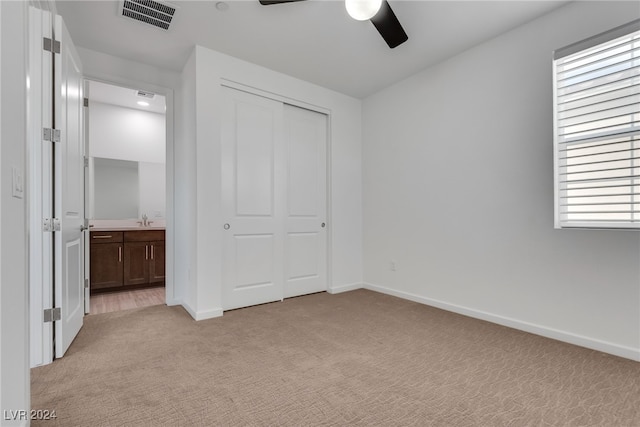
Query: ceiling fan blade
[[388, 26], [270, 2]]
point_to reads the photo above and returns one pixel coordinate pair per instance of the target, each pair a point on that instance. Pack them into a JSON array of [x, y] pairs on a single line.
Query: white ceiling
[[313, 40], [124, 97]]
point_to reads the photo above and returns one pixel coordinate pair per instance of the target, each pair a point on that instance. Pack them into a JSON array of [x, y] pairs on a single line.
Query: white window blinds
[[597, 131]]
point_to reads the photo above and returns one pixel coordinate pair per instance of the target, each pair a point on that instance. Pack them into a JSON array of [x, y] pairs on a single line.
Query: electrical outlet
[[393, 265]]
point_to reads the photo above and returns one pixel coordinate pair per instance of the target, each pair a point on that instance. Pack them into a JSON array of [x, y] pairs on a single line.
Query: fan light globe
[[362, 10]]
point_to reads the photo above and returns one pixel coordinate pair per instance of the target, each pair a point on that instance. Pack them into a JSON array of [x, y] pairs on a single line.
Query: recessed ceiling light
[[222, 6], [143, 104]]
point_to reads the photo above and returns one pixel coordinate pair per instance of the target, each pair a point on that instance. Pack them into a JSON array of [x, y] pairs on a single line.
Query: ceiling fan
[[377, 11]]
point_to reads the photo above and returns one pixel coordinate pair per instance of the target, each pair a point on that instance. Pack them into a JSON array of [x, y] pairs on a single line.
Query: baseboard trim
[[202, 315], [172, 302], [344, 288], [579, 340]]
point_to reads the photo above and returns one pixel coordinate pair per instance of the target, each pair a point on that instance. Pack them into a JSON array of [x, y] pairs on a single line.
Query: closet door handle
[[119, 253]]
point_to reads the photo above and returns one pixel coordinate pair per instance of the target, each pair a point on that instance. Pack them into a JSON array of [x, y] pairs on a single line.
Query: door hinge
[[85, 102], [51, 224], [50, 45], [86, 162], [86, 283], [52, 314], [52, 135]]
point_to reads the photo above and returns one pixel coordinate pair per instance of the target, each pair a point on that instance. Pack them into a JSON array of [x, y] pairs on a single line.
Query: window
[[597, 131]]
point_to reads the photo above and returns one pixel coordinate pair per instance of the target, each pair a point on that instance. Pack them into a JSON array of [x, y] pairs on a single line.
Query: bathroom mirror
[[116, 192], [124, 189]]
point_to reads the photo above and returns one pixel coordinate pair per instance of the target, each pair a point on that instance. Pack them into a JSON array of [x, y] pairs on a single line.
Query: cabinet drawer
[[106, 237], [144, 236]]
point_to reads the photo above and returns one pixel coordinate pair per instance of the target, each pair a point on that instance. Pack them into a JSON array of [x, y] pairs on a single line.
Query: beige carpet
[[358, 358]]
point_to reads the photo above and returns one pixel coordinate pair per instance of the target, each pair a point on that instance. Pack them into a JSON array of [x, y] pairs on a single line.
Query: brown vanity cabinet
[[144, 257], [106, 253], [125, 259], [156, 264]]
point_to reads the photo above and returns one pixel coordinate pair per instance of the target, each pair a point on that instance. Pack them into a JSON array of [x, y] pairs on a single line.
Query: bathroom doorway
[[126, 202]]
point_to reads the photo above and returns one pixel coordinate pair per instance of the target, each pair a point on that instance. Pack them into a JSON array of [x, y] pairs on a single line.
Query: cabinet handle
[[119, 253], [102, 237], [151, 251], [146, 251]]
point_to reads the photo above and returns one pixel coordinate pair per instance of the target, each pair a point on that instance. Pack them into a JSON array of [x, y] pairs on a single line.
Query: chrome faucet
[[145, 223]]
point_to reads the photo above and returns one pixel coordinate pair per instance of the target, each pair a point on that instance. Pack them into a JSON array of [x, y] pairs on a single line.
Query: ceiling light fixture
[[362, 10], [143, 104]]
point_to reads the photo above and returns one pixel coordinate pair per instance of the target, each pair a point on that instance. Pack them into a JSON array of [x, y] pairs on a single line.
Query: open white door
[[68, 191]]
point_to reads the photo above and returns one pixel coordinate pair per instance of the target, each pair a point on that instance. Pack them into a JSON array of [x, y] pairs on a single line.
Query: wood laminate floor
[[116, 301]]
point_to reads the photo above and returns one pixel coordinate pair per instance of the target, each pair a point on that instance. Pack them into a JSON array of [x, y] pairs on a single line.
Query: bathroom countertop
[[125, 228]]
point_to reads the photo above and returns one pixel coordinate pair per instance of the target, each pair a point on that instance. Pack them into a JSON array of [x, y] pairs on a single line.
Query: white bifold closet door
[[274, 200]]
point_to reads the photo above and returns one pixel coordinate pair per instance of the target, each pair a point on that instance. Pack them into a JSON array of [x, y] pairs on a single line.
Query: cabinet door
[[156, 262], [136, 263], [106, 265]]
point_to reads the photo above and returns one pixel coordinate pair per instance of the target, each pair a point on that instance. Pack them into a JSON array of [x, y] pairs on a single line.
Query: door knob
[[323, 225], [227, 226]]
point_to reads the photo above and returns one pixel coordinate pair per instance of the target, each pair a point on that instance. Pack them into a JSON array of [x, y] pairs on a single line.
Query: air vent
[[146, 94], [158, 14]]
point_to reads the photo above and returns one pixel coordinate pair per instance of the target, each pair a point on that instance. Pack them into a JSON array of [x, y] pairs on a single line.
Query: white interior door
[[253, 199], [68, 191], [305, 223]]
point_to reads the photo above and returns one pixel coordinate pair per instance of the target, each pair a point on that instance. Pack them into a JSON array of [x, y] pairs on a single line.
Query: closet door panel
[[305, 221], [254, 159], [253, 186]]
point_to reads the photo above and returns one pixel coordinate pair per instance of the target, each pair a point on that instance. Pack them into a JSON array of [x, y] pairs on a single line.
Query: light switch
[[17, 183]]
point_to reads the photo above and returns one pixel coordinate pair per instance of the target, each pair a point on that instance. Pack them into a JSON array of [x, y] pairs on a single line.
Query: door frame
[[232, 84], [43, 342], [40, 258], [168, 93]]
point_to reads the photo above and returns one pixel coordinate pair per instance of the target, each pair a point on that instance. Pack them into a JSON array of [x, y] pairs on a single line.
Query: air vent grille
[[146, 94], [150, 12]]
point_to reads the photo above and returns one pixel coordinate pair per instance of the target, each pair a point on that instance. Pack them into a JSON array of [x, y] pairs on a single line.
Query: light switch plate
[[17, 183]]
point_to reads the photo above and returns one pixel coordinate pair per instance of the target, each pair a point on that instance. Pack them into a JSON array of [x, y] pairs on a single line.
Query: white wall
[[2, 183], [14, 343], [112, 69], [152, 179], [185, 179], [117, 132], [458, 190], [211, 69]]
